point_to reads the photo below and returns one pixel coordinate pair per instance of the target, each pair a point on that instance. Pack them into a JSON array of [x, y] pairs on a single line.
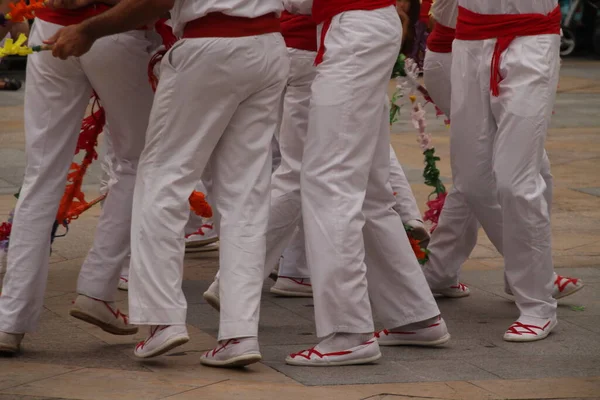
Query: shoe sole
[[76, 313], [212, 300], [285, 293], [443, 340], [166, 347], [453, 296], [305, 363], [524, 339], [5, 349], [562, 295], [235, 362], [201, 243]]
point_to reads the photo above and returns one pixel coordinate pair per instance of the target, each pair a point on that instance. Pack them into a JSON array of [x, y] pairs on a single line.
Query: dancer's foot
[[123, 283], [105, 315], [457, 291], [292, 287], [211, 296], [205, 235], [161, 339], [562, 287], [10, 343], [432, 334], [337, 350], [530, 329], [233, 353]]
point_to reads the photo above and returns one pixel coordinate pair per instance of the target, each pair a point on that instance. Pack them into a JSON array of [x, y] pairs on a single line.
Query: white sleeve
[[298, 6]]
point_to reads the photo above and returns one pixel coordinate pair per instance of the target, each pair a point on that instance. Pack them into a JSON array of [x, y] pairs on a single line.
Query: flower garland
[[18, 48], [398, 73], [21, 11], [405, 72]]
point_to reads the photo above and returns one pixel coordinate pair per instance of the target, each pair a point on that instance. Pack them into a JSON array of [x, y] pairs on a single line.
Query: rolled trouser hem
[[157, 316], [15, 329], [238, 329], [96, 290], [439, 283], [395, 323], [364, 329]]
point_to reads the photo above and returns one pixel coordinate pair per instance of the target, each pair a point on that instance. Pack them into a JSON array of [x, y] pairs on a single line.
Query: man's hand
[[69, 4], [70, 41]]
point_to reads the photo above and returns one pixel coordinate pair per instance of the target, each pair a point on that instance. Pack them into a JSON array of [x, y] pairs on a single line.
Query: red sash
[[64, 17], [222, 25], [505, 28], [440, 39], [299, 31], [323, 12]]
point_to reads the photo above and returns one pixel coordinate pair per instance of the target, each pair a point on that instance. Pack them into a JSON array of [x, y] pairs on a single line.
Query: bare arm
[[126, 15]]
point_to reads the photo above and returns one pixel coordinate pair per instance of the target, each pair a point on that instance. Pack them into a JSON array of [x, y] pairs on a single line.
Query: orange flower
[[419, 253], [199, 205]]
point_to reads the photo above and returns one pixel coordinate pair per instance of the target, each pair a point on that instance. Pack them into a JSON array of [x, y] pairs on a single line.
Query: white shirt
[[445, 12], [298, 6], [509, 6], [185, 11]]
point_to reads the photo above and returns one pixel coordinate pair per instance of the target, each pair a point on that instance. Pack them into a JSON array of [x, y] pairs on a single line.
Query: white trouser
[[456, 235], [56, 96], [499, 154], [345, 187], [285, 186], [231, 137], [293, 261], [406, 205]]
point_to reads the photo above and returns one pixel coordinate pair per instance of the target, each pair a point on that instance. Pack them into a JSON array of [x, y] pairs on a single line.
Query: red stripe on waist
[[505, 28], [440, 39], [222, 25], [64, 17]]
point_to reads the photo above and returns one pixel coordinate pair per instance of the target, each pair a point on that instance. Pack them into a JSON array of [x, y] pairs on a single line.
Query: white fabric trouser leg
[[499, 143], [108, 161], [406, 204], [293, 263], [456, 235], [345, 185], [127, 99], [195, 221], [285, 212], [240, 113], [56, 95], [276, 153]]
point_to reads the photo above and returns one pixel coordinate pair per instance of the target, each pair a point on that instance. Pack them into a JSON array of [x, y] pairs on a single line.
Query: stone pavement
[[67, 359]]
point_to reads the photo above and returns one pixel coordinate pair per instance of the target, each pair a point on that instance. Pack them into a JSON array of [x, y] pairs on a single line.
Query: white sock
[[417, 325], [340, 341]]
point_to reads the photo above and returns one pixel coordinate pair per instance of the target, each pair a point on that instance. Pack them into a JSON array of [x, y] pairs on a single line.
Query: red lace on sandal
[[460, 286], [561, 282], [529, 329], [217, 350], [296, 280], [313, 351], [200, 230], [153, 332]]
